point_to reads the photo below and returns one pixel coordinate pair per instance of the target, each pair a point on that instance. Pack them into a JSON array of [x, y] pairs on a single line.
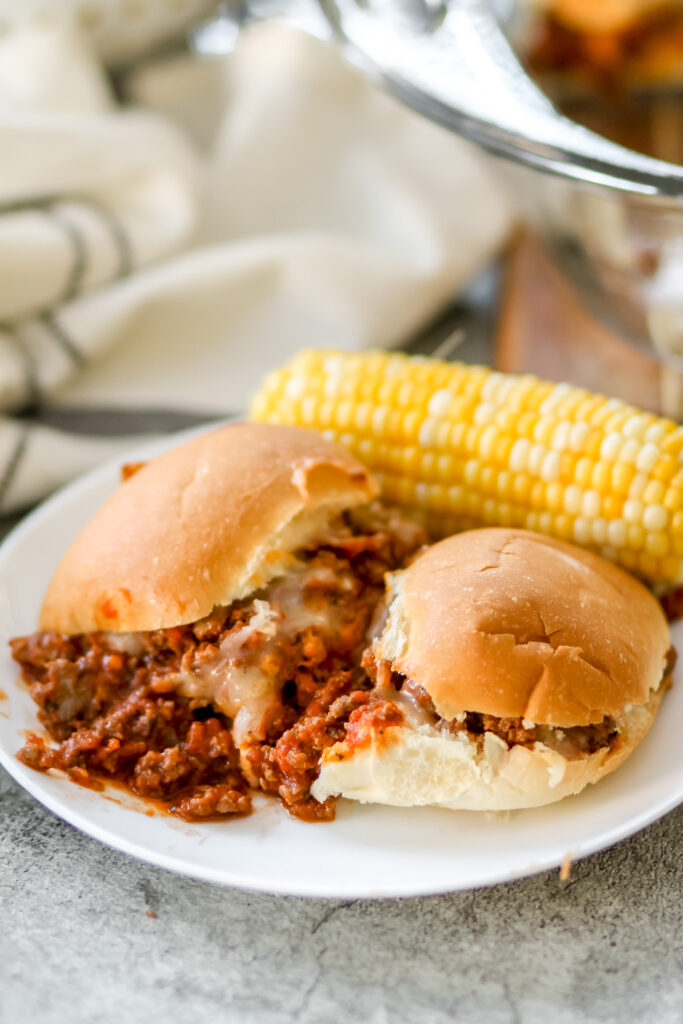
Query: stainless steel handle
[[454, 65]]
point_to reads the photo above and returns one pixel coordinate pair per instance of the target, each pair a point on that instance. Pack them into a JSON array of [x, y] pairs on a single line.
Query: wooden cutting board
[[543, 329]]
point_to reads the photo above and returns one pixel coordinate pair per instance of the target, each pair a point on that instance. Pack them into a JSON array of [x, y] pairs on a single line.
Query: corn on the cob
[[472, 447]]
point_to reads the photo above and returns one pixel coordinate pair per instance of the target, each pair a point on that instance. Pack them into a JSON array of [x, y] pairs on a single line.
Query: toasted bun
[[201, 526], [407, 768], [514, 624]]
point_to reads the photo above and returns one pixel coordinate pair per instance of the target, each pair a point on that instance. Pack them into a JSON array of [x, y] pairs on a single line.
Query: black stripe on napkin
[[12, 465], [113, 224], [76, 243], [57, 331], [118, 235], [116, 421], [32, 389]]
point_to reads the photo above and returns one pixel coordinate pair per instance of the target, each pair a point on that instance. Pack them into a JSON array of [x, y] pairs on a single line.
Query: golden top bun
[[515, 624], [203, 525]]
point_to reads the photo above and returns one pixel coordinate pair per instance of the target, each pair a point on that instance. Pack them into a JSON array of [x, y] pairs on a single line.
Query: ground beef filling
[[119, 710], [291, 766], [418, 709]]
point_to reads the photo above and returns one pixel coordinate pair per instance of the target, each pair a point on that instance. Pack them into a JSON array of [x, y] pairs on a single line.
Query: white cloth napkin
[[165, 255]]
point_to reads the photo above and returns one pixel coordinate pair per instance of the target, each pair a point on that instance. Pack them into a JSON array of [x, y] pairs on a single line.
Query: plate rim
[[415, 889]]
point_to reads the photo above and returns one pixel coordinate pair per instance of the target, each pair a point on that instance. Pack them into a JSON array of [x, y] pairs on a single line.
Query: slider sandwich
[[196, 633], [513, 669]]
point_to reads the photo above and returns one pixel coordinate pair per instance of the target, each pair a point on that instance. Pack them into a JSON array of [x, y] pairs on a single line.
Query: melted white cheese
[[233, 680], [128, 643], [407, 701]]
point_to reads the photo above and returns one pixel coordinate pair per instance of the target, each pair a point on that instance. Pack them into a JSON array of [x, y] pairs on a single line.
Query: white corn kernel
[[556, 396], [519, 455], [484, 413], [634, 426], [439, 402], [560, 438], [630, 450], [308, 407], [616, 533], [578, 436], [545, 522], [379, 418], [471, 471], [573, 499], [599, 528], [582, 530], [655, 517], [637, 486], [456, 495], [487, 441], [611, 446], [647, 458], [655, 433], [550, 470], [591, 504], [295, 387], [425, 437], [633, 510], [537, 454]]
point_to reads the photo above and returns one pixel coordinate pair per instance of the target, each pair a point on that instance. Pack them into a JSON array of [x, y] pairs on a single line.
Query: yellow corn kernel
[[669, 567], [622, 475], [602, 476], [657, 544], [582, 530], [567, 464], [564, 525], [655, 517], [635, 536], [612, 506], [554, 493], [654, 492], [593, 444], [648, 565], [583, 471], [521, 486], [469, 445], [629, 559], [664, 468], [537, 496], [673, 499], [526, 424]]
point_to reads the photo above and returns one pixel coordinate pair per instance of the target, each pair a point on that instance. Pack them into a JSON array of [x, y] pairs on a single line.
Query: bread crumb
[[566, 868]]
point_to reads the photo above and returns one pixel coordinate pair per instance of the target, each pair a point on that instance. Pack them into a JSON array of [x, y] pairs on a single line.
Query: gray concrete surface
[[77, 943]]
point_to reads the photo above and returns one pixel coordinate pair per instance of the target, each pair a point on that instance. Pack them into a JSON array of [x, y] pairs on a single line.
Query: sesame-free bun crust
[[201, 526], [516, 624], [403, 767]]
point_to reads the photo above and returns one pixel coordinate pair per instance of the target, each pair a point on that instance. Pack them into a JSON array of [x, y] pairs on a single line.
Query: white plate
[[368, 851]]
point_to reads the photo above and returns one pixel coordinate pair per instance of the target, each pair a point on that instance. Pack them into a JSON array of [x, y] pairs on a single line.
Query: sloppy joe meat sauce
[[418, 708], [115, 706]]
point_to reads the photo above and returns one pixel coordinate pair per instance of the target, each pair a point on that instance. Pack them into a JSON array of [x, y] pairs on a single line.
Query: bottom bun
[[406, 767]]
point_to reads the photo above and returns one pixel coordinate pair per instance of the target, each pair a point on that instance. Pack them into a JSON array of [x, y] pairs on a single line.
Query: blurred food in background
[[615, 66]]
